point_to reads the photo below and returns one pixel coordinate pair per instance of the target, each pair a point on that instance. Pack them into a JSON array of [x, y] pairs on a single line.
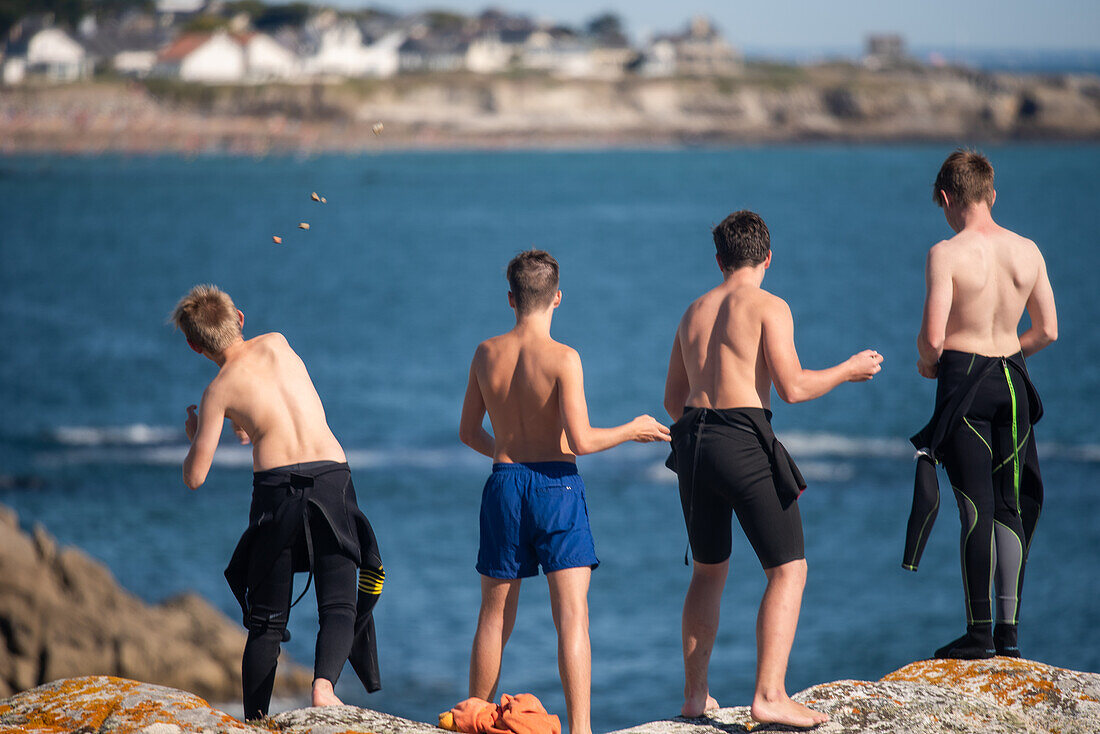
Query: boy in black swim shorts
[[532, 508], [732, 344]]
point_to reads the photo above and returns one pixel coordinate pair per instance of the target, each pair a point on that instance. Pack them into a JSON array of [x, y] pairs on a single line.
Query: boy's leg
[[569, 605], [699, 627], [775, 628], [336, 583], [499, 598], [270, 608]]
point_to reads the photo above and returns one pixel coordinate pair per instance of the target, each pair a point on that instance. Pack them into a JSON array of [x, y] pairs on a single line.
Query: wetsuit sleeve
[[926, 504]]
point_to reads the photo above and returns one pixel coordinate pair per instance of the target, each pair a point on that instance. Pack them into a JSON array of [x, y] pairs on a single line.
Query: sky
[[792, 25]]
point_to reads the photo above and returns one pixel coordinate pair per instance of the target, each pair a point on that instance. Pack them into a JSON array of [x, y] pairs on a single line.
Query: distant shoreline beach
[[765, 105]]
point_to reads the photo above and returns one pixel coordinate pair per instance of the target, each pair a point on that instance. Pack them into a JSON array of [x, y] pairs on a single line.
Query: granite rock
[[62, 615], [997, 696]]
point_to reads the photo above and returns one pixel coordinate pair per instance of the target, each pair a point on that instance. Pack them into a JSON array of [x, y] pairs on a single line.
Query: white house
[[337, 48], [35, 47], [211, 58], [266, 59], [699, 51], [487, 54], [228, 58]]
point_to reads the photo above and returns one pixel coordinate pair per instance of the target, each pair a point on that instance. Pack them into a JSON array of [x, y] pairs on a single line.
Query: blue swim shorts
[[534, 514]]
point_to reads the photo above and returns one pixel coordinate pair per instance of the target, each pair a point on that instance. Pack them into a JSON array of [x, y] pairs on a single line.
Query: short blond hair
[[208, 318]]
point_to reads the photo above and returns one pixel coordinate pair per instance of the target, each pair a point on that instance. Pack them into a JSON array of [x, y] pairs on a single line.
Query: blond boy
[[304, 514]]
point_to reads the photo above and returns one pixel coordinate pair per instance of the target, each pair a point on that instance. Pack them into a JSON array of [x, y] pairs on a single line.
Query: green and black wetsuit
[[982, 432]]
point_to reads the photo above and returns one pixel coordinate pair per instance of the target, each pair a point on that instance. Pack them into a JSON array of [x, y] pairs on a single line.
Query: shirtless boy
[[304, 514], [732, 344], [979, 283], [533, 507]]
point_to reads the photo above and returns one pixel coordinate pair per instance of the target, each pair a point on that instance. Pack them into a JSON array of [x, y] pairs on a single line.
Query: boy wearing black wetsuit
[[732, 344], [304, 515], [979, 283]]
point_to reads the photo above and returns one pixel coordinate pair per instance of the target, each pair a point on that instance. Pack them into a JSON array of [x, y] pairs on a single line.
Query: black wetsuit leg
[[983, 456], [269, 608], [335, 578]]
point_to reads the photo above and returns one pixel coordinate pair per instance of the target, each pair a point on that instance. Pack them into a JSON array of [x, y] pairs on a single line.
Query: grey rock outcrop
[[108, 705], [347, 720], [62, 614], [997, 696]]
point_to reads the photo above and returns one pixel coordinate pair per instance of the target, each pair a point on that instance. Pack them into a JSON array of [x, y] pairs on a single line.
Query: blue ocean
[[385, 297]]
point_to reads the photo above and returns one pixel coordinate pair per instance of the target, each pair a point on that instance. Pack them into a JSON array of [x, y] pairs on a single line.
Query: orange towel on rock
[[520, 714]]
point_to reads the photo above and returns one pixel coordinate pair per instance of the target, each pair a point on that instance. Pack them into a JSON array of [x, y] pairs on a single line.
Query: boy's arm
[[471, 429], [204, 431], [1044, 317], [795, 384], [937, 307], [582, 436], [676, 384]]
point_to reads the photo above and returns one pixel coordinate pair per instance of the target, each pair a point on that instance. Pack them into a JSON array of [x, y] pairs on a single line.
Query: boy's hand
[[865, 365], [647, 429], [928, 370], [242, 435], [191, 425]]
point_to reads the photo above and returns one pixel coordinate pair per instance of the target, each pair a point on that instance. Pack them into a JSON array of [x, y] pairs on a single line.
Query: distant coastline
[[764, 104]]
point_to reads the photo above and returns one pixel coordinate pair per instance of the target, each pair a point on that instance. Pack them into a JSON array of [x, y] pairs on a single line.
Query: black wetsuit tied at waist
[[284, 501], [960, 376], [789, 483]]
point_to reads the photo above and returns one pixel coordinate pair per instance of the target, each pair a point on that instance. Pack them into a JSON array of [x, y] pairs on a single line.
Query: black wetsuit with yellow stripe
[[982, 432]]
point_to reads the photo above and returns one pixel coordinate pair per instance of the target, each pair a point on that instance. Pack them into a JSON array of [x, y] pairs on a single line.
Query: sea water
[[385, 297]]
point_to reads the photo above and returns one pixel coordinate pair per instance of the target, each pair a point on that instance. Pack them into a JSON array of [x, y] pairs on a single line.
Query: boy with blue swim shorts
[[533, 510]]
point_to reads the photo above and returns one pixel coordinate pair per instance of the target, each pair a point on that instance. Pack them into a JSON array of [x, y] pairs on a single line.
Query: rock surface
[[995, 696], [107, 705], [63, 615]]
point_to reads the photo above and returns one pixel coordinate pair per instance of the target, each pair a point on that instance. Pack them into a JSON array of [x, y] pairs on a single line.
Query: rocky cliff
[[766, 103], [980, 697], [62, 614]]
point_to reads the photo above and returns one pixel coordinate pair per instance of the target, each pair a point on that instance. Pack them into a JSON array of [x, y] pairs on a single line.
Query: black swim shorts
[[733, 474]]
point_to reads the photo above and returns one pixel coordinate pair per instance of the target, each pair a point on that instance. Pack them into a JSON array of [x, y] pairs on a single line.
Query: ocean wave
[[137, 434], [162, 445]]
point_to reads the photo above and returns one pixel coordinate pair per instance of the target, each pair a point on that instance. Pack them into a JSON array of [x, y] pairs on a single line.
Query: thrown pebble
[[377, 128], [303, 225], [276, 239]]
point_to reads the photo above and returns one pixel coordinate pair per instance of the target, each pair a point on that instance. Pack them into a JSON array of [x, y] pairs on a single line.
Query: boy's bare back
[[518, 374], [532, 387], [985, 276], [264, 388], [721, 338]]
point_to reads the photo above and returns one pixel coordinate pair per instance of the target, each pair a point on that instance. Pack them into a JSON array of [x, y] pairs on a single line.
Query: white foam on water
[[142, 444]]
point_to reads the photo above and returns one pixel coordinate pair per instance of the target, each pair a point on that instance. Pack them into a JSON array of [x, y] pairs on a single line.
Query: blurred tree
[[605, 24], [444, 20]]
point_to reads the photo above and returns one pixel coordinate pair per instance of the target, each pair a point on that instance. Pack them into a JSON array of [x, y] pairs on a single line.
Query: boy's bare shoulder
[[271, 340], [944, 252]]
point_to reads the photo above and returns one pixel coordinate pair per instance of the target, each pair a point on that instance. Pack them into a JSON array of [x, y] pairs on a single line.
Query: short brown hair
[[533, 280], [742, 239], [208, 318], [967, 177]]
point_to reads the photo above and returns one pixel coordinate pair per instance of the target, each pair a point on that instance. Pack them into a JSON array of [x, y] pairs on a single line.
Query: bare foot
[[323, 695], [785, 711], [692, 710]]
